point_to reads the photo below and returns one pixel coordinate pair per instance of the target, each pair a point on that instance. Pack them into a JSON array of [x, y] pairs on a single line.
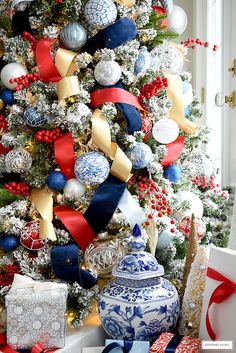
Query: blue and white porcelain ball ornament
[[33, 118], [138, 303], [140, 155], [9, 242], [73, 36], [100, 13], [91, 168], [143, 61]]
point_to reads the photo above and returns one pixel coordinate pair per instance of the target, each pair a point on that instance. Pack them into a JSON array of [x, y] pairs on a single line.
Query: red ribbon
[[76, 224], [220, 294], [114, 95], [64, 154], [174, 150], [47, 69], [37, 348]]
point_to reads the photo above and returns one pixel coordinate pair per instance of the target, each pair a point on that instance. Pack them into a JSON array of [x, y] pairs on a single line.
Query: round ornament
[[199, 164], [8, 242], [177, 20], [56, 180], [30, 237], [18, 161], [12, 71], [143, 61], [100, 13], [73, 36], [173, 173], [7, 96], [140, 155], [185, 227], [107, 72], [33, 118], [165, 131], [165, 238], [146, 127], [74, 189], [167, 57], [196, 205], [92, 168]]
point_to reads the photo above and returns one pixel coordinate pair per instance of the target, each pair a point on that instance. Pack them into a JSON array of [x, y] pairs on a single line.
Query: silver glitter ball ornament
[[168, 58], [73, 36], [18, 161], [33, 118], [107, 73], [100, 13]]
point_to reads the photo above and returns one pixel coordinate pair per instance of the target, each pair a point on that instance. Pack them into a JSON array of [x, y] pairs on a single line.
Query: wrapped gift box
[[175, 343], [93, 350], [134, 347]]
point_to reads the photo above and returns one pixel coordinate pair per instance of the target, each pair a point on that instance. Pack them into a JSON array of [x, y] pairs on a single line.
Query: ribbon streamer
[[128, 3], [64, 154], [174, 150], [43, 202], [131, 209], [47, 69], [101, 136], [20, 23], [220, 294]]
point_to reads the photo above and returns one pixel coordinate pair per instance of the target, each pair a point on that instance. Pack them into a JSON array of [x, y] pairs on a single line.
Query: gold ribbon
[[43, 202], [128, 3], [174, 91], [101, 136]]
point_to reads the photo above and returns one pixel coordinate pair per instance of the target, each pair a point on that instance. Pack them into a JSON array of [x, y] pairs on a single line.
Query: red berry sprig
[[18, 188], [3, 123], [25, 80], [31, 39], [201, 182], [48, 136], [151, 89], [7, 275], [191, 43]]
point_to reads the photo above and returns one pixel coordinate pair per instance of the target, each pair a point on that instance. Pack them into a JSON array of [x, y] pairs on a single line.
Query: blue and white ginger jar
[[138, 304]]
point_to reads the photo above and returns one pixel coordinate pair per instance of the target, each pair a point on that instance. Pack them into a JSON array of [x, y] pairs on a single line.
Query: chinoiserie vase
[[138, 303]]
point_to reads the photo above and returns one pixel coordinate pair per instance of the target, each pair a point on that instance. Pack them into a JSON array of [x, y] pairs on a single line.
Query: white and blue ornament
[[74, 189], [91, 168], [33, 118], [167, 5], [18, 161], [177, 20], [140, 155], [12, 71], [107, 72], [165, 130], [8, 242], [196, 205], [165, 238], [173, 173], [56, 180], [167, 57], [100, 13], [143, 61], [7, 96], [73, 36]]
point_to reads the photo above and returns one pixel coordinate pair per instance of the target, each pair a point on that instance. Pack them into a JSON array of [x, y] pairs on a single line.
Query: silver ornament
[[168, 58], [11, 71], [177, 20], [199, 164], [107, 73], [18, 161], [100, 13], [73, 36], [74, 189]]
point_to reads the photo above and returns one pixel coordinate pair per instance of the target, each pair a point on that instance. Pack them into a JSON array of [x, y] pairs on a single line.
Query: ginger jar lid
[[138, 264]]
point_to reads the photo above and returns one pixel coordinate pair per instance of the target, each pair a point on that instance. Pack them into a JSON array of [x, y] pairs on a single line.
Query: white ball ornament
[[165, 131], [195, 202], [12, 71], [177, 20], [107, 73], [74, 189], [18, 161], [167, 57]]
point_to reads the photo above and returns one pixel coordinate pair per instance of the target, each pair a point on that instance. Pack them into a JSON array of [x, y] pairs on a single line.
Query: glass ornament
[[8, 242], [73, 36], [33, 118], [30, 237], [185, 227], [199, 164], [166, 57], [165, 131], [56, 180], [74, 189], [100, 13], [140, 155], [173, 173], [11, 71], [7, 96], [107, 72], [196, 205], [177, 20], [18, 161]]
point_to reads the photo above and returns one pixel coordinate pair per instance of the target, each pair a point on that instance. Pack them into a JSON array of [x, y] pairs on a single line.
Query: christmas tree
[[99, 132]]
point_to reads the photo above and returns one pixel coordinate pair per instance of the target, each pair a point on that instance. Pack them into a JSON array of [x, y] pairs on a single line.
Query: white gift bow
[[131, 209], [27, 282]]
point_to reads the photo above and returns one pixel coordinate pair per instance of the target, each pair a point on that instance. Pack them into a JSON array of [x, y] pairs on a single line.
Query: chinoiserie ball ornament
[[74, 189], [140, 155], [173, 173], [91, 168], [165, 131], [177, 20], [18, 161], [73, 36], [12, 71], [8, 242], [33, 118], [167, 57], [7, 96], [30, 237], [100, 13], [56, 180], [196, 205], [143, 61], [107, 72], [185, 227]]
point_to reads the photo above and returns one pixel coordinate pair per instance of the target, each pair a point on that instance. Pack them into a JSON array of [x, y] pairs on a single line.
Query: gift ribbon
[[174, 150], [22, 282], [101, 136], [43, 202], [173, 344], [64, 154], [37, 348], [125, 349], [219, 295]]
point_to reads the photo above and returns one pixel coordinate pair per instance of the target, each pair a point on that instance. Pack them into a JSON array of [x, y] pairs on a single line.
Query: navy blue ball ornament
[[56, 180], [173, 173], [100, 13], [143, 61], [33, 118], [8, 242], [140, 155], [7, 96]]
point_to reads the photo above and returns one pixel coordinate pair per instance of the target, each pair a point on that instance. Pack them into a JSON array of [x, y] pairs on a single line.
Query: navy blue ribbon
[[104, 203], [125, 349], [173, 344], [112, 36], [20, 23]]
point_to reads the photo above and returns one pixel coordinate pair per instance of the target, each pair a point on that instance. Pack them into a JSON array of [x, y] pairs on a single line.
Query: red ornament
[[30, 237], [185, 227], [146, 127], [161, 11]]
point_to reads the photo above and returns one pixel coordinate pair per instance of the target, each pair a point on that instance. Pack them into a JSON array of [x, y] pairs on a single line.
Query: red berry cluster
[[48, 136], [25, 81], [18, 188], [151, 89], [31, 39], [59, 1], [3, 123], [203, 183], [7, 275], [191, 43]]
